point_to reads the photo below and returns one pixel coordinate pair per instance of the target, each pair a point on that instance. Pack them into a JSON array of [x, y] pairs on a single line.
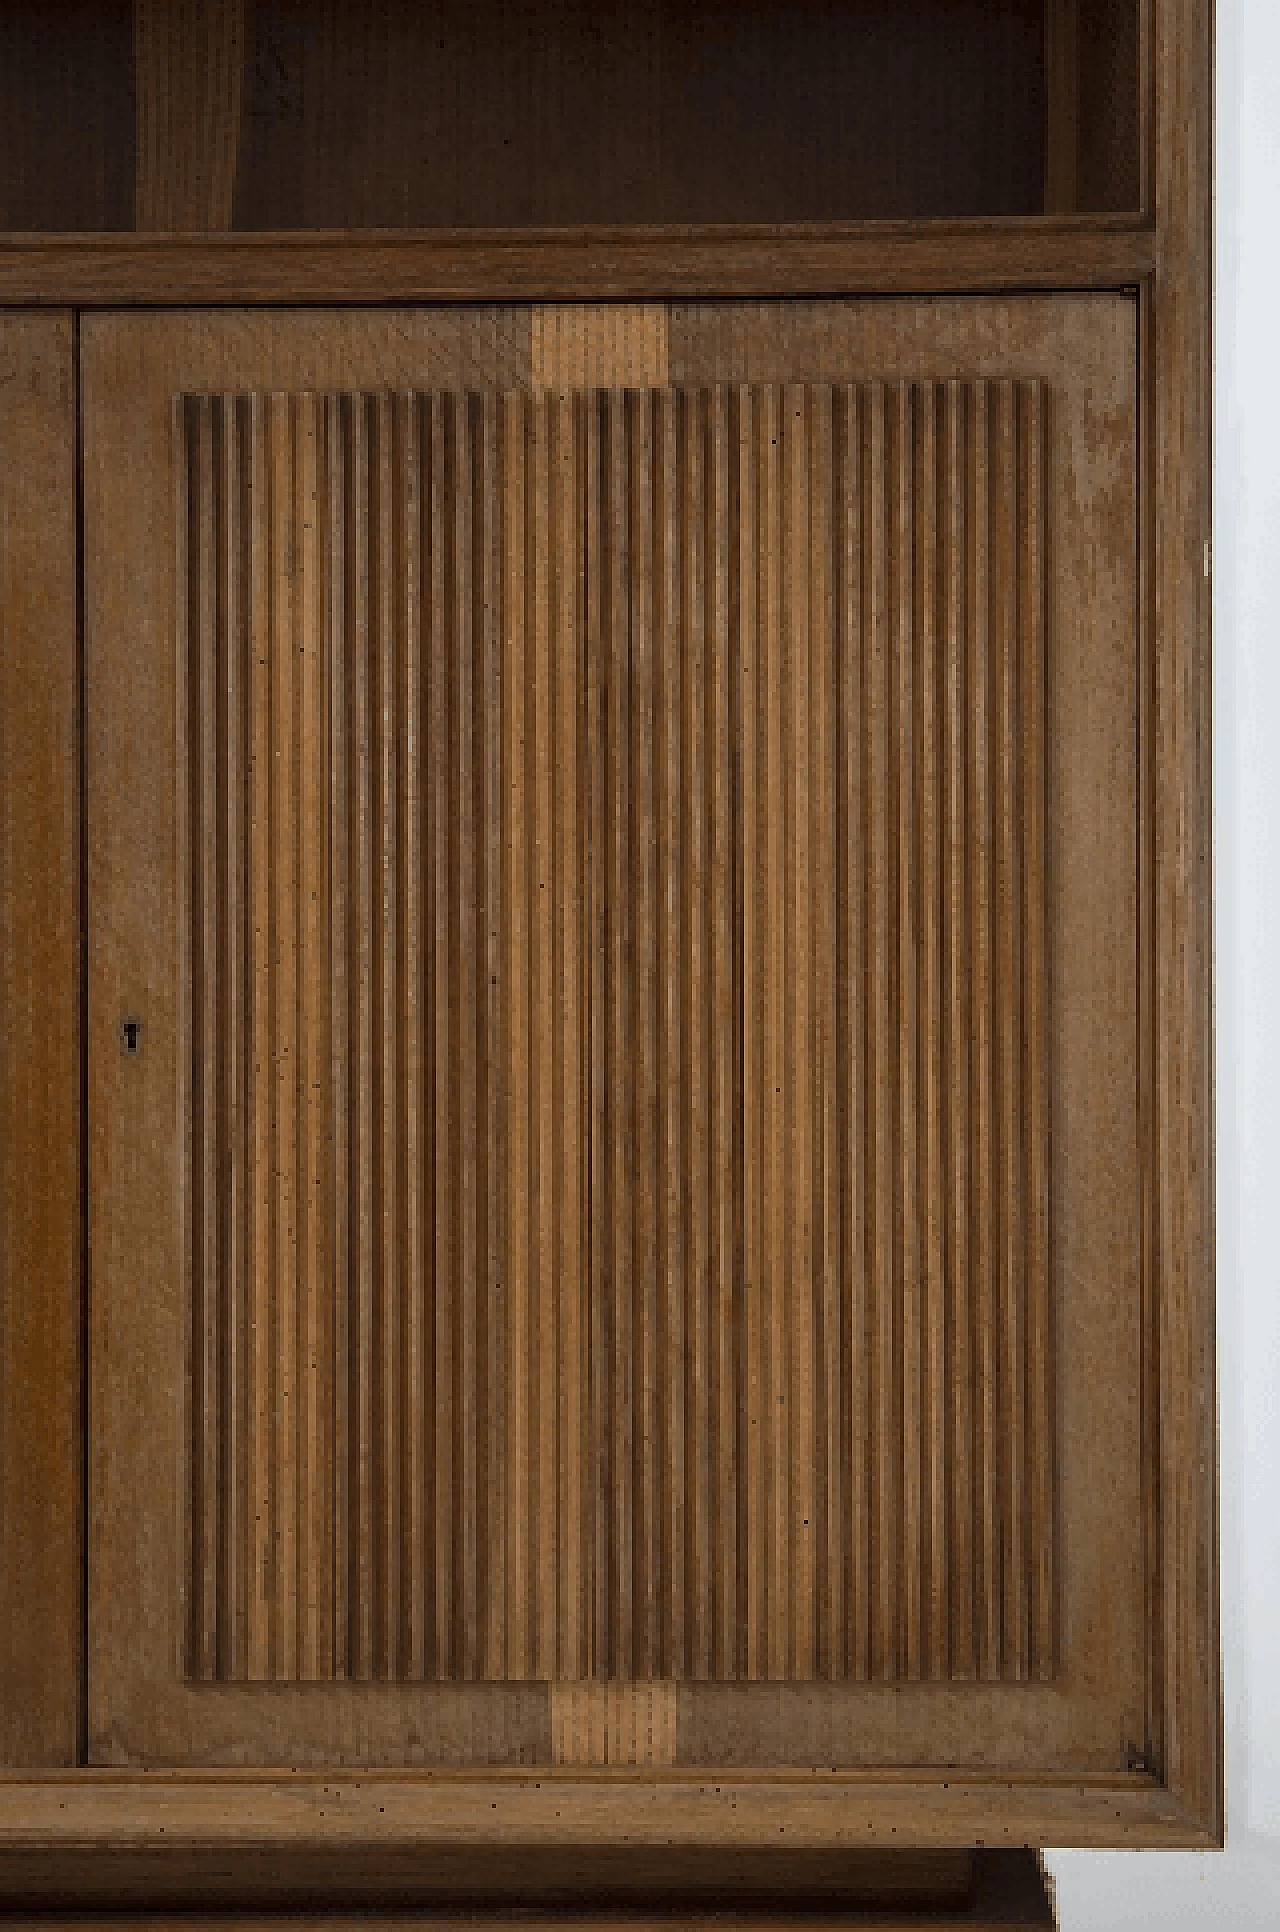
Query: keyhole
[[131, 1036]]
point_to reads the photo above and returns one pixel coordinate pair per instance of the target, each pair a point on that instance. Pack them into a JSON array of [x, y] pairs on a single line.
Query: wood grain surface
[[189, 67], [614, 1250], [606, 796], [41, 1226], [1187, 1733]]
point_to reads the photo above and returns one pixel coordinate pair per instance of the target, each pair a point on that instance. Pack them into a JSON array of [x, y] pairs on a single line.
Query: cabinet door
[[615, 1089]]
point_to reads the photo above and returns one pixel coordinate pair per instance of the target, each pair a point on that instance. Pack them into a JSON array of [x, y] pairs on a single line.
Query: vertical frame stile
[[1178, 374], [54, 1453], [1152, 1317]]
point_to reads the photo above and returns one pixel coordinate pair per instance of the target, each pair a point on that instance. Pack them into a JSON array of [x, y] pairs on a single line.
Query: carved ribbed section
[[618, 1189], [897, 1439]]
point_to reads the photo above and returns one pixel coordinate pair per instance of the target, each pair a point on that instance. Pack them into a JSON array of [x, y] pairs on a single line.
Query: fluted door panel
[[616, 1013]]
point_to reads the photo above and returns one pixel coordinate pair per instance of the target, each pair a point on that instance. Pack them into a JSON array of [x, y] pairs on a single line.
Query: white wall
[[1241, 1887]]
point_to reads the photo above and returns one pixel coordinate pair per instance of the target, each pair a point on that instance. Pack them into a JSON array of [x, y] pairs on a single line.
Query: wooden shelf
[[587, 264]]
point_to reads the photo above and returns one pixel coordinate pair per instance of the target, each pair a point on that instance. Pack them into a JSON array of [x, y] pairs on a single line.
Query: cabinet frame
[[1174, 1793]]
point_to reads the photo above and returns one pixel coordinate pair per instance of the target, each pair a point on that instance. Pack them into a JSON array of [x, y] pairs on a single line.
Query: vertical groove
[[441, 1019], [414, 1014], [495, 1487], [467, 910], [685, 953], [545, 1028], [852, 863], [262, 1589], [1032, 595], [935, 1582], [339, 485], [797, 993], [830, 1611], [1011, 1415], [599, 1329], [956, 1120], [754, 1398], [284, 1030], [980, 828], [880, 940], [906, 887], [313, 980], [236, 1036], [385, 917], [725, 1390]]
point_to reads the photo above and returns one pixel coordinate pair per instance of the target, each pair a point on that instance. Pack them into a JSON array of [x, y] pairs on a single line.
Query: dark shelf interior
[[323, 114]]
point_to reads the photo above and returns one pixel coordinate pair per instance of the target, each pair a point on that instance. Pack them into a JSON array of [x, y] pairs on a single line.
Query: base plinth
[[598, 1890]]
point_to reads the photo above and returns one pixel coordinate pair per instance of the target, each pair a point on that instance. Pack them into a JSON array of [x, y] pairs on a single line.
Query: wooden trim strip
[[597, 264], [610, 1805], [1178, 373]]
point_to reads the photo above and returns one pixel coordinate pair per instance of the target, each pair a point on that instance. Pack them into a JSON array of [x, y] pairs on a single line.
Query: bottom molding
[[251, 1889]]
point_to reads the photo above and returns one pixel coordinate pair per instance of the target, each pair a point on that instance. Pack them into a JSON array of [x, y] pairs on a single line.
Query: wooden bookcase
[[606, 1161]]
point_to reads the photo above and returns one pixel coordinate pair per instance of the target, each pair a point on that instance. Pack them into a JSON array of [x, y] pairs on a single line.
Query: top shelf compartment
[[253, 115]]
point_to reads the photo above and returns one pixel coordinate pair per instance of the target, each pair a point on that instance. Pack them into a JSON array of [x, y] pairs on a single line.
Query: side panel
[[40, 1220]]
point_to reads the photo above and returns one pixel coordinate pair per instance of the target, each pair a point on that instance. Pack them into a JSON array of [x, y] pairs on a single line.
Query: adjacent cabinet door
[[614, 1058]]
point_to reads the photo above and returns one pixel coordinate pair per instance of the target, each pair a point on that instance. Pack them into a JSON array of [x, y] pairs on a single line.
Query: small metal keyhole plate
[[131, 1037]]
